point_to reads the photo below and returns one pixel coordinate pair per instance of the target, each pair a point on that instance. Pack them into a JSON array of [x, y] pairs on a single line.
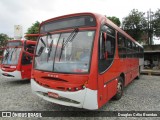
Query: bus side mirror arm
[[30, 54]]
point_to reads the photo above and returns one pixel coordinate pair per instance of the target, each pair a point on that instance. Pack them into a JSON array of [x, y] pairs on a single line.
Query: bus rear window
[[71, 22]]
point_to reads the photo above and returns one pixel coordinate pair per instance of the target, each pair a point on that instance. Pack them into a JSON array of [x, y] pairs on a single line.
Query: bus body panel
[[108, 84], [26, 71]]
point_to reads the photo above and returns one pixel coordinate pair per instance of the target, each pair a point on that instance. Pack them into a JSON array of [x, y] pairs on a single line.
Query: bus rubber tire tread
[[138, 77], [119, 95]]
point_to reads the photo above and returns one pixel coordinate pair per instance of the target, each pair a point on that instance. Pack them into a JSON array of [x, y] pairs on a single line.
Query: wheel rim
[[119, 87]]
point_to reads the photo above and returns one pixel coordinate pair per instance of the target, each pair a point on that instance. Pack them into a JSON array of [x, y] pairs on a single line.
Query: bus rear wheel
[[138, 76], [120, 87]]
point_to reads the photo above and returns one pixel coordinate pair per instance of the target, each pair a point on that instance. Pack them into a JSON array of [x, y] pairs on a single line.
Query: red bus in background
[[16, 61], [84, 60]]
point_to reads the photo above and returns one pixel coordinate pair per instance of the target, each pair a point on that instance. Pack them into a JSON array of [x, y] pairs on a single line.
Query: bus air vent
[[55, 79]]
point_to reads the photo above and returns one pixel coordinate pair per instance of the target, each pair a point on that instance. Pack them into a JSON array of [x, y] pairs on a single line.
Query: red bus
[[84, 60], [16, 61]]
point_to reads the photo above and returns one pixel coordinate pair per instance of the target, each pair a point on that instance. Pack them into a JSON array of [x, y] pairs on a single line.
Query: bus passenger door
[[101, 68], [26, 61], [104, 63], [26, 65], [107, 44]]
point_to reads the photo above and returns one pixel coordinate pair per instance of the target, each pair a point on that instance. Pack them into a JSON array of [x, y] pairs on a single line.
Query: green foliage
[[3, 41], [34, 29], [115, 20], [135, 24], [156, 23]]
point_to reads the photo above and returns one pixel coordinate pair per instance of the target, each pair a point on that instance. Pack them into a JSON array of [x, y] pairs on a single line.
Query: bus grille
[[8, 75]]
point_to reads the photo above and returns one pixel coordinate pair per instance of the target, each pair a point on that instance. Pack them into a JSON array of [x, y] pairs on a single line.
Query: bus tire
[[138, 76], [120, 87]]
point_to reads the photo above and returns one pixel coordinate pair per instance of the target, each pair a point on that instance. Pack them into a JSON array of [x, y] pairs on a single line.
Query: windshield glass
[[65, 52], [11, 56]]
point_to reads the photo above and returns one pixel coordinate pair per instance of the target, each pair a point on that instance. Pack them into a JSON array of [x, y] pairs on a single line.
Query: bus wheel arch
[[122, 75], [120, 87]]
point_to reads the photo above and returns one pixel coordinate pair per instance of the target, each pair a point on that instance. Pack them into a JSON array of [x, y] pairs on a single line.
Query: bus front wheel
[[120, 87]]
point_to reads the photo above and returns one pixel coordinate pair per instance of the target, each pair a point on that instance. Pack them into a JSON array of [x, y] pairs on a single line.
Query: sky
[[27, 12]]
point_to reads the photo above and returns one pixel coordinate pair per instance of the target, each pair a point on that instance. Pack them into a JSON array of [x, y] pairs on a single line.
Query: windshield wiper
[[69, 39], [61, 50], [12, 52], [6, 55], [43, 42], [50, 49]]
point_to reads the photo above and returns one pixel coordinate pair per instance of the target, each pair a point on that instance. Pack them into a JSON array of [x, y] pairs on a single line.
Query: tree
[[115, 20], [3, 41], [135, 24], [34, 29], [156, 23]]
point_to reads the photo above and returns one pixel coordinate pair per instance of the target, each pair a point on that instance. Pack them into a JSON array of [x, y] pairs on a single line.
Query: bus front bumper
[[85, 98], [15, 75]]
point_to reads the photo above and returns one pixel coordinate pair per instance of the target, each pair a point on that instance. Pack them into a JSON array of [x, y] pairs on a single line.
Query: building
[[152, 57]]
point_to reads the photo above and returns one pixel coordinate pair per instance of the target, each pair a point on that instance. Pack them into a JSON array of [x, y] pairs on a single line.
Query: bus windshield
[[11, 56], [65, 52]]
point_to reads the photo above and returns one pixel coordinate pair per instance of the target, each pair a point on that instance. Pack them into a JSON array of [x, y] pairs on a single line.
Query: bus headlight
[[83, 87]]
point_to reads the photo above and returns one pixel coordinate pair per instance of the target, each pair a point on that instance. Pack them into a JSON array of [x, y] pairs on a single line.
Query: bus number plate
[[54, 95]]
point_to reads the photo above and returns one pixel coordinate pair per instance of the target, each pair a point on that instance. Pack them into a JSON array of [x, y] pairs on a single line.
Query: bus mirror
[[40, 51]]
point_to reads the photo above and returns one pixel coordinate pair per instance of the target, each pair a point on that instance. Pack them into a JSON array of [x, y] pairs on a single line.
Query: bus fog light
[[76, 88], [69, 89], [83, 87]]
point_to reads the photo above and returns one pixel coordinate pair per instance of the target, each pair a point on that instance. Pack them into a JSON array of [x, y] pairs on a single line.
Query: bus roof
[[100, 19]]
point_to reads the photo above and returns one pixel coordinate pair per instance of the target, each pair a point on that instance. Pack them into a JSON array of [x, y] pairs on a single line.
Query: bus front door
[[26, 66]]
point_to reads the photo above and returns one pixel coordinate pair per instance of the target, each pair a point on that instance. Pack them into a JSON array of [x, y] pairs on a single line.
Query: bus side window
[[121, 46]]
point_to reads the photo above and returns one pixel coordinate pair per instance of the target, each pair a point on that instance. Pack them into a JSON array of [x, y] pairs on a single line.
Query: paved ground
[[140, 95]]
